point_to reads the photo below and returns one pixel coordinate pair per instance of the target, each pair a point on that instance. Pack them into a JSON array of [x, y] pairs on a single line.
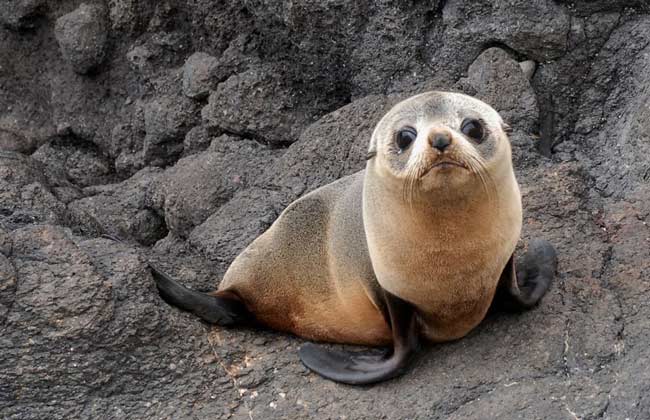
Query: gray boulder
[[196, 186], [79, 165], [96, 300], [12, 141], [21, 14], [166, 121], [538, 29], [82, 36], [260, 103], [199, 75], [499, 80], [196, 140], [25, 194], [128, 209]]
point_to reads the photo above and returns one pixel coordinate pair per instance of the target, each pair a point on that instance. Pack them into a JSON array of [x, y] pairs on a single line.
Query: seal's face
[[440, 141]]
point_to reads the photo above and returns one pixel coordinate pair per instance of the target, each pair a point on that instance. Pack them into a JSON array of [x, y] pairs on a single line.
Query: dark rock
[[63, 304], [122, 139], [7, 285], [260, 104], [127, 15], [25, 196], [82, 166], [82, 36], [236, 224], [199, 75], [154, 54], [139, 57], [316, 21], [498, 80], [196, 140], [127, 209], [84, 107], [591, 7], [87, 167], [537, 29], [174, 41], [394, 29], [12, 141], [167, 120], [127, 164], [334, 146], [239, 56], [88, 298], [127, 143], [126, 147], [17, 134], [26, 120], [5, 243], [198, 185], [21, 14]]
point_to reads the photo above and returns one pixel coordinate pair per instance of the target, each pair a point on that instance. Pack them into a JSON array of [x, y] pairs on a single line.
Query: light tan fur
[[438, 237]]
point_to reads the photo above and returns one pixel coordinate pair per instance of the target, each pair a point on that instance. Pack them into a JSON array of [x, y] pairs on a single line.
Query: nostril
[[440, 141]]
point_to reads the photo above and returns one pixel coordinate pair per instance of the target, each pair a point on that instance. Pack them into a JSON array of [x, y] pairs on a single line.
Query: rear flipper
[[523, 287], [221, 308], [358, 368]]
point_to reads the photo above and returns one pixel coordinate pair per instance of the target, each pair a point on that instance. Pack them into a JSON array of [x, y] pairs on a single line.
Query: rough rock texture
[[186, 127], [126, 209], [20, 14], [82, 37], [515, 100], [199, 75]]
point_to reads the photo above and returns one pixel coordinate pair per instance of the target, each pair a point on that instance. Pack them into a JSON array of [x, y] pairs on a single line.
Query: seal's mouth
[[444, 165], [448, 164]]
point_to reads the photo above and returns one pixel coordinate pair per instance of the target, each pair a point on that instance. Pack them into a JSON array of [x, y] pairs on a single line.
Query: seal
[[416, 246]]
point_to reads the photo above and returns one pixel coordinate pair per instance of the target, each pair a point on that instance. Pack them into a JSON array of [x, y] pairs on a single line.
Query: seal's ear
[[371, 154], [506, 128]]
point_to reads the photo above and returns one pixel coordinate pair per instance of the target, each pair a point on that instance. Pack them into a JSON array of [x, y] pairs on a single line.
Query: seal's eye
[[405, 137], [473, 129]]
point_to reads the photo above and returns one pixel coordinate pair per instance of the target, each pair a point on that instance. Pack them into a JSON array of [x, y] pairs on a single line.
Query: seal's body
[[415, 245], [468, 240], [310, 274]]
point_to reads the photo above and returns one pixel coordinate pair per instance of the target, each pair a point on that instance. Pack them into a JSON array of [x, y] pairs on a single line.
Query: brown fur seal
[[415, 246]]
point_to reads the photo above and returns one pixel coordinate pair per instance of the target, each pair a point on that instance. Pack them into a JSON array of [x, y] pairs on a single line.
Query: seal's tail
[[222, 308]]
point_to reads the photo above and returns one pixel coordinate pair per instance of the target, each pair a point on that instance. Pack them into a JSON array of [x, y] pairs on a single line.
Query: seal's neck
[[444, 209]]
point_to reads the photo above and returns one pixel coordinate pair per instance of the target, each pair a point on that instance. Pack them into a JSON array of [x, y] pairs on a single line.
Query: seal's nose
[[440, 140]]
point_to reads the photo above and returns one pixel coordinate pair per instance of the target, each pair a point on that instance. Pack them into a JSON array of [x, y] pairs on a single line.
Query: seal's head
[[440, 141]]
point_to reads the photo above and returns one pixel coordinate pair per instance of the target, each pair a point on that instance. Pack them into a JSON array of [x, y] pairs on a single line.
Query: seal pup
[[415, 246]]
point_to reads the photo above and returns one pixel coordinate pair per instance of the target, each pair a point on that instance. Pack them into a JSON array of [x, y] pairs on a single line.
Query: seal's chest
[[443, 276], [454, 303]]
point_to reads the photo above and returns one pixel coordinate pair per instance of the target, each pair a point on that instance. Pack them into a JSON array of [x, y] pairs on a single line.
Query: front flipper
[[522, 287], [358, 368]]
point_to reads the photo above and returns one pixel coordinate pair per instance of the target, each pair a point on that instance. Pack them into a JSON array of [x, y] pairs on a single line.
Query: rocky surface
[[82, 36], [186, 127]]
